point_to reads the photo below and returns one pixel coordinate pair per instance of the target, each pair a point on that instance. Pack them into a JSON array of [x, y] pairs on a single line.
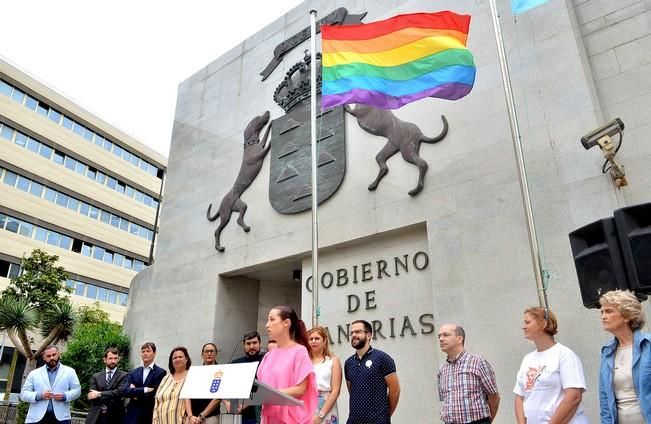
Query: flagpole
[[315, 193], [519, 158]]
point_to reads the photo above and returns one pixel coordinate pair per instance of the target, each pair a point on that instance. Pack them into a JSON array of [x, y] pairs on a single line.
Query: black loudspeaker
[[634, 230], [598, 260]]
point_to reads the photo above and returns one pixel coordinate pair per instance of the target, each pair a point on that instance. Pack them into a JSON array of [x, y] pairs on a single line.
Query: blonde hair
[[544, 314], [326, 343], [627, 304]]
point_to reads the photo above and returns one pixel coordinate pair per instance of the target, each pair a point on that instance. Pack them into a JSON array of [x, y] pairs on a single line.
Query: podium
[[235, 383]]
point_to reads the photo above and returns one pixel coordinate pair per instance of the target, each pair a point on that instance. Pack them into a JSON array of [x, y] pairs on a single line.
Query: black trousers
[[50, 418]]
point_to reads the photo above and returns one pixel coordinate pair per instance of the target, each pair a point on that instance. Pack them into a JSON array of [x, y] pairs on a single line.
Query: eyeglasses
[[354, 332], [209, 351]]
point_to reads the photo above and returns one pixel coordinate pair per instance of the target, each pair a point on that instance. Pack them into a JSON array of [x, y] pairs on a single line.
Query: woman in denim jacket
[[625, 375]]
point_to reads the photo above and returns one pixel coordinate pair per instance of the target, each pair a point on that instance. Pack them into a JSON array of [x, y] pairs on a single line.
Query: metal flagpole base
[[230, 419]]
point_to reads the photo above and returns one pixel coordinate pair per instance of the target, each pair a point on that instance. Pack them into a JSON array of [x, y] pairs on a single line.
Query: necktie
[[109, 375]]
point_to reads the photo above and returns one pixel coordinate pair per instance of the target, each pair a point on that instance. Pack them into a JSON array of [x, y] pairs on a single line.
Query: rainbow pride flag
[[390, 63]]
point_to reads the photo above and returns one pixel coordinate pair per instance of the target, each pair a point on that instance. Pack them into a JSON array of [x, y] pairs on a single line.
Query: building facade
[[456, 252], [77, 187]]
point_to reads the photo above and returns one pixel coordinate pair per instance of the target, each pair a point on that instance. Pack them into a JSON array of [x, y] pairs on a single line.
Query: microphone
[[241, 339]]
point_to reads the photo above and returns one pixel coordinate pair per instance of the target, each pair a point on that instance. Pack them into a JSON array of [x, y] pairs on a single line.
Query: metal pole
[[315, 186], [519, 159]]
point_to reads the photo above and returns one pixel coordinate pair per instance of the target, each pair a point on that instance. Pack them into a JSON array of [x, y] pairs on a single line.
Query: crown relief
[[295, 87]]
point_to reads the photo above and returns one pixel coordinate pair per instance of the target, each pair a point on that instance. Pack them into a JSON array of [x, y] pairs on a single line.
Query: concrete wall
[[469, 218]]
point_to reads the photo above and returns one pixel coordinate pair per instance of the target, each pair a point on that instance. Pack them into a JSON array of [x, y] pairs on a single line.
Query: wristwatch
[[321, 415]]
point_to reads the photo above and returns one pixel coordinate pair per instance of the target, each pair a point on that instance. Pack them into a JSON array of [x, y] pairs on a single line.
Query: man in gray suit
[[105, 395], [49, 390]]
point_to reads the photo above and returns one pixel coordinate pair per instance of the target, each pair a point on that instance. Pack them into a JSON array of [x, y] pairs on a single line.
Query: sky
[[123, 60]]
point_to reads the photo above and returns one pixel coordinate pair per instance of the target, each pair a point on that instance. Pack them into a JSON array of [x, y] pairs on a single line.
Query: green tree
[[35, 301], [93, 334]]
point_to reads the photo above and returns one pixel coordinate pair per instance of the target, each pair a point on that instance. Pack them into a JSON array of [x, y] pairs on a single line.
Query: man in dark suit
[[142, 383], [105, 395]]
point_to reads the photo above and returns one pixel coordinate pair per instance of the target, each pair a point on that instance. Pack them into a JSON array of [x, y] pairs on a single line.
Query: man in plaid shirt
[[467, 386]]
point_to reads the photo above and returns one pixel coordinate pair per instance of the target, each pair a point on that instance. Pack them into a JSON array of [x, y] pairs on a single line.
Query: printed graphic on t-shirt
[[532, 376]]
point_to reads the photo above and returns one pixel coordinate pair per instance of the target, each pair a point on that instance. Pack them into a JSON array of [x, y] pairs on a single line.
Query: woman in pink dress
[[288, 368]]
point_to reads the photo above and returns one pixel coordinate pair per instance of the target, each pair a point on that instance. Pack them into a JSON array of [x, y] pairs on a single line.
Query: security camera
[[616, 126]]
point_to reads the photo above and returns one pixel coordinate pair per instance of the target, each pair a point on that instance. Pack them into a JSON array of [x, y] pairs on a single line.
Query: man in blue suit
[[50, 389], [142, 383]]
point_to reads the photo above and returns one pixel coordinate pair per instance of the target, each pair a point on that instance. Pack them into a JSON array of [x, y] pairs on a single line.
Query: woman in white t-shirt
[[550, 383], [328, 376]]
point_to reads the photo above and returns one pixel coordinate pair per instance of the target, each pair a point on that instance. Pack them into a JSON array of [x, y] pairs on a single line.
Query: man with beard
[[251, 345], [371, 379], [204, 411], [467, 386], [50, 389], [105, 395]]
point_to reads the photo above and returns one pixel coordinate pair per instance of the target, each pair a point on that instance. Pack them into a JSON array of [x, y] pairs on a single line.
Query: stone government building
[[458, 251]]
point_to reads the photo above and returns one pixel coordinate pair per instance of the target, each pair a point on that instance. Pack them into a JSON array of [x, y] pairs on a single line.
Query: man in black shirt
[[252, 353]]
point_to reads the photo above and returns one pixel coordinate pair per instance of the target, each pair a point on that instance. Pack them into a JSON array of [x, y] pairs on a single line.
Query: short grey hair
[[627, 304], [459, 331]]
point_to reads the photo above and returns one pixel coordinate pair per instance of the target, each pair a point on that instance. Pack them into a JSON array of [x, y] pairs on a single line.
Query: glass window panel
[[99, 140], [41, 234], [102, 293], [5, 88], [33, 145], [12, 224], [66, 242], [10, 178], [150, 235], [31, 102], [80, 168], [98, 252], [26, 229], [67, 122], [21, 139], [126, 155], [14, 271], [53, 238], [54, 116], [124, 224], [108, 145], [105, 217], [45, 151], [50, 195], [143, 165], [18, 95], [7, 132], [84, 208], [80, 288], [73, 204], [91, 292], [101, 177], [121, 187], [112, 182], [128, 263], [59, 157], [135, 160], [139, 195], [115, 220], [62, 199], [70, 163], [129, 191], [94, 212], [134, 228], [70, 283], [122, 299], [117, 150], [91, 173], [36, 189], [23, 183], [108, 257], [138, 265], [78, 129], [88, 134], [112, 296], [42, 108], [118, 259], [3, 219], [143, 232], [86, 249], [147, 199]]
